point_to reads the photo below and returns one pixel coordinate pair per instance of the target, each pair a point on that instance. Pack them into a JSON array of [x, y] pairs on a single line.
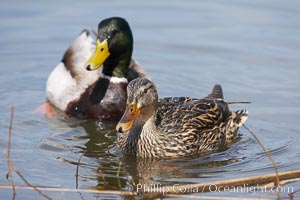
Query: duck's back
[[181, 114], [186, 112], [190, 125]]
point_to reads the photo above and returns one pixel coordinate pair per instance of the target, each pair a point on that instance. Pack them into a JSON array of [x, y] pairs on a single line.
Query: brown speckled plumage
[[178, 126]]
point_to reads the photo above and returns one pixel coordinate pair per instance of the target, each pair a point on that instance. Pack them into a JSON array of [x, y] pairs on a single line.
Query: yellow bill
[[130, 115], [99, 56]]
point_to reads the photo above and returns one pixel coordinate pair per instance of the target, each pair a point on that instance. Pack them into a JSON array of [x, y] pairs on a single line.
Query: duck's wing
[[188, 113], [208, 112], [136, 71], [197, 123]]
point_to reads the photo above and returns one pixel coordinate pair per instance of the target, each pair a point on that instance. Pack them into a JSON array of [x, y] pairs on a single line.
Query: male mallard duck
[[100, 93], [175, 127]]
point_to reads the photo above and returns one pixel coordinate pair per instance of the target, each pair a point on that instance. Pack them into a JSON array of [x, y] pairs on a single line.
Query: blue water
[[251, 48]]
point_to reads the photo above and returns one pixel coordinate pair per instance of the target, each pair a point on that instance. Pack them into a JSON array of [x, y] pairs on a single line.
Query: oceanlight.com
[[176, 188]]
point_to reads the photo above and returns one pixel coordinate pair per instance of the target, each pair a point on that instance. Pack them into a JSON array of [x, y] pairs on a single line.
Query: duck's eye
[[102, 49], [145, 90], [114, 32], [131, 109]]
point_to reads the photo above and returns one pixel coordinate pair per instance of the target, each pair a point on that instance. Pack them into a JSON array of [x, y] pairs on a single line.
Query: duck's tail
[[235, 121], [216, 93]]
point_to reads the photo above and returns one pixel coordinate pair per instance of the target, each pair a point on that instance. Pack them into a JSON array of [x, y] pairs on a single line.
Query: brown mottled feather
[[181, 126]]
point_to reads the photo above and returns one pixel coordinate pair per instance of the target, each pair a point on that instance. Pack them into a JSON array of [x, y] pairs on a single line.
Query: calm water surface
[[252, 48]]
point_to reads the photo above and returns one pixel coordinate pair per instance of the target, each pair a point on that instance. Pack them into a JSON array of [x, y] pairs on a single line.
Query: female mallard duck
[[100, 93], [175, 127]]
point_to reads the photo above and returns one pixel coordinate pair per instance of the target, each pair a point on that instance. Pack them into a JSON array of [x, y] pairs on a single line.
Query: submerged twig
[[118, 173], [119, 168], [291, 195], [102, 176], [266, 152], [13, 166], [77, 169], [9, 175], [268, 155]]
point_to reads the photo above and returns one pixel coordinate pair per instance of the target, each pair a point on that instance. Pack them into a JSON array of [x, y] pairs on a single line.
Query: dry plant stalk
[[130, 194], [56, 189], [248, 181], [291, 195], [9, 175], [266, 152], [205, 187], [13, 166], [77, 169], [201, 187]]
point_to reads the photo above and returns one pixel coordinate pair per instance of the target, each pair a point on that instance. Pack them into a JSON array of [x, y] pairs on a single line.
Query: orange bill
[[131, 114]]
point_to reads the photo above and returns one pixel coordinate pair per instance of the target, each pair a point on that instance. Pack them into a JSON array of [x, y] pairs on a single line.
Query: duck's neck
[[117, 67], [140, 134], [148, 121], [128, 141], [113, 68], [143, 130]]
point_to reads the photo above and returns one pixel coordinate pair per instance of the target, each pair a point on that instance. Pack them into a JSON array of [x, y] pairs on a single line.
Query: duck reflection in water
[[102, 162]]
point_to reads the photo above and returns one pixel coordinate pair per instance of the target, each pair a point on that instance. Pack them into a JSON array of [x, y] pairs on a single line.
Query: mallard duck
[[91, 79], [176, 126]]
